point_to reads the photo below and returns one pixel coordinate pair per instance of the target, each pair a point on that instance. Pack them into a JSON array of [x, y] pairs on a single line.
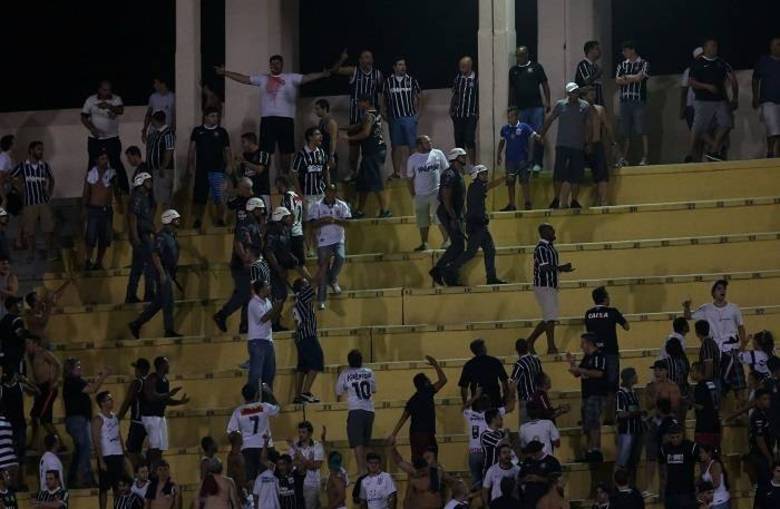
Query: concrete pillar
[[187, 77], [504, 42], [485, 131]]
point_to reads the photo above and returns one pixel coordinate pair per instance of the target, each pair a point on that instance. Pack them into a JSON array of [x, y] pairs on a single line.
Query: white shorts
[[425, 206], [547, 297], [156, 431], [770, 116]]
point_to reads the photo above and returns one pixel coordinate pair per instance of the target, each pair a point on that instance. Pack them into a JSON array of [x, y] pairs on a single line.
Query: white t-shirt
[[756, 359], [674, 335], [165, 103], [106, 123], [426, 169], [724, 322], [452, 504], [266, 489], [278, 94], [313, 452], [251, 420], [6, 163], [376, 489], [140, 490], [256, 310], [542, 430], [686, 82], [329, 234], [360, 385], [475, 426], [49, 461], [93, 176], [493, 477]]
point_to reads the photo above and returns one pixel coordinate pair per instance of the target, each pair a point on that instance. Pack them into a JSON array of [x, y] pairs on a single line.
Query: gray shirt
[[572, 119]]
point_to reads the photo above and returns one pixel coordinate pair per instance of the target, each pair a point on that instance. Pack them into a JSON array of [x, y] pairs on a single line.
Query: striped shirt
[[400, 95], [310, 166], [304, 315], [292, 202], [36, 181], [59, 495], [260, 271], [159, 141], [490, 440], [545, 264], [589, 74], [8, 499], [363, 83], [7, 454], [129, 501], [525, 372], [634, 92], [465, 94], [710, 351], [628, 401], [678, 371]]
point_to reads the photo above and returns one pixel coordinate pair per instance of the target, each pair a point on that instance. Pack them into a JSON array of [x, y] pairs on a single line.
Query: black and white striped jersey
[[158, 142], [545, 264], [525, 372], [36, 181], [310, 166], [465, 96], [634, 92], [363, 83], [400, 95]]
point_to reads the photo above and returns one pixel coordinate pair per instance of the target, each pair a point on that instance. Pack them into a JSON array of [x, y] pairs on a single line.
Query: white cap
[[455, 153], [699, 51], [476, 170], [141, 178], [254, 203], [3, 212], [280, 213], [571, 87], [169, 215]]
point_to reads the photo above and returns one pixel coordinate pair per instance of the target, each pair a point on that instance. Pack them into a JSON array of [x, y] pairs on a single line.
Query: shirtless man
[[216, 490], [424, 487], [163, 493], [39, 310], [236, 467], [596, 153], [46, 375], [99, 191], [554, 498], [337, 482], [662, 387]]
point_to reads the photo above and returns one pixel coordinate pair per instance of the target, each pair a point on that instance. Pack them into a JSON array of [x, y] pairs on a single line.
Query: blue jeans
[[338, 252], [535, 118], [262, 362], [403, 131], [476, 460], [77, 427]]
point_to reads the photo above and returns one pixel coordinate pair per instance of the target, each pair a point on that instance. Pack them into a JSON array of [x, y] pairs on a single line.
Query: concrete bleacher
[[673, 231]]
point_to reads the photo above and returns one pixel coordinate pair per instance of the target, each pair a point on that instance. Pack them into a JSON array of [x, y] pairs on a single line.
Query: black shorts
[[99, 226], [135, 437], [464, 130], [115, 470], [369, 177], [360, 424], [596, 160], [277, 131], [297, 248], [43, 403], [310, 357], [569, 165]]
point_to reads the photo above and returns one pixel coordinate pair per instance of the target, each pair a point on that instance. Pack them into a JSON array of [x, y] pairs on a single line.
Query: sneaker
[[528, 205], [135, 329], [648, 494], [575, 205], [309, 397], [536, 168], [358, 214], [220, 321], [436, 276], [497, 281], [321, 306], [335, 288], [299, 400], [384, 214], [554, 204], [508, 208], [621, 162], [713, 157], [643, 161], [446, 244], [421, 247], [173, 334]]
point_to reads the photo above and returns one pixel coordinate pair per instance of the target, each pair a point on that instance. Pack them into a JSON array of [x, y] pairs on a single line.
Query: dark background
[[56, 52]]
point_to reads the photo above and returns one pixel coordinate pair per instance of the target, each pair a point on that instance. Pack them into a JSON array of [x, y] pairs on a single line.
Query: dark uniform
[[248, 233], [452, 179], [167, 249], [142, 207], [477, 232]]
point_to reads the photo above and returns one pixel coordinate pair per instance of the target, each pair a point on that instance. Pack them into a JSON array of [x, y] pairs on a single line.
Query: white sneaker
[[321, 306], [643, 162], [648, 494], [335, 288], [536, 168], [446, 244]]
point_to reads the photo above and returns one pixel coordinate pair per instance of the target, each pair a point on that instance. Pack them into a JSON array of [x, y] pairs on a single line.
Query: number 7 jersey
[[251, 420], [360, 385]]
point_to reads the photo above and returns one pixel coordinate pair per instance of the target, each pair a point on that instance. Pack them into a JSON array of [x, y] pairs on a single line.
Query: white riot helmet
[[280, 213], [169, 215], [139, 179], [254, 203]]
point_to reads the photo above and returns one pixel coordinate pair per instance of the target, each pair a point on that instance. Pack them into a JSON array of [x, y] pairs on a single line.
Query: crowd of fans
[[509, 466]]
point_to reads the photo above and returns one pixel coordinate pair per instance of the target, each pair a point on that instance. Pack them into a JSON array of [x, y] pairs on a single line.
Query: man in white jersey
[[308, 455], [539, 429], [359, 384], [474, 415], [266, 488], [491, 484], [423, 169], [109, 447], [329, 216], [728, 330], [251, 420], [377, 489]]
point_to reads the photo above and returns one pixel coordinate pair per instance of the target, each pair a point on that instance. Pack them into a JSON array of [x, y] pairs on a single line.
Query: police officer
[[452, 198], [165, 258], [278, 252], [477, 228], [247, 248], [140, 220]]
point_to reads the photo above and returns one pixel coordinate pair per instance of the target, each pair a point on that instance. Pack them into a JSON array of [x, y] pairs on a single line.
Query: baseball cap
[[571, 87], [141, 178], [699, 51], [455, 153], [280, 213], [141, 363], [476, 170], [660, 365], [532, 447]]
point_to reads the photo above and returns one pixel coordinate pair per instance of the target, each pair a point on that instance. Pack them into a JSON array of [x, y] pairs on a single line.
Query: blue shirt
[[516, 137], [767, 70]]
